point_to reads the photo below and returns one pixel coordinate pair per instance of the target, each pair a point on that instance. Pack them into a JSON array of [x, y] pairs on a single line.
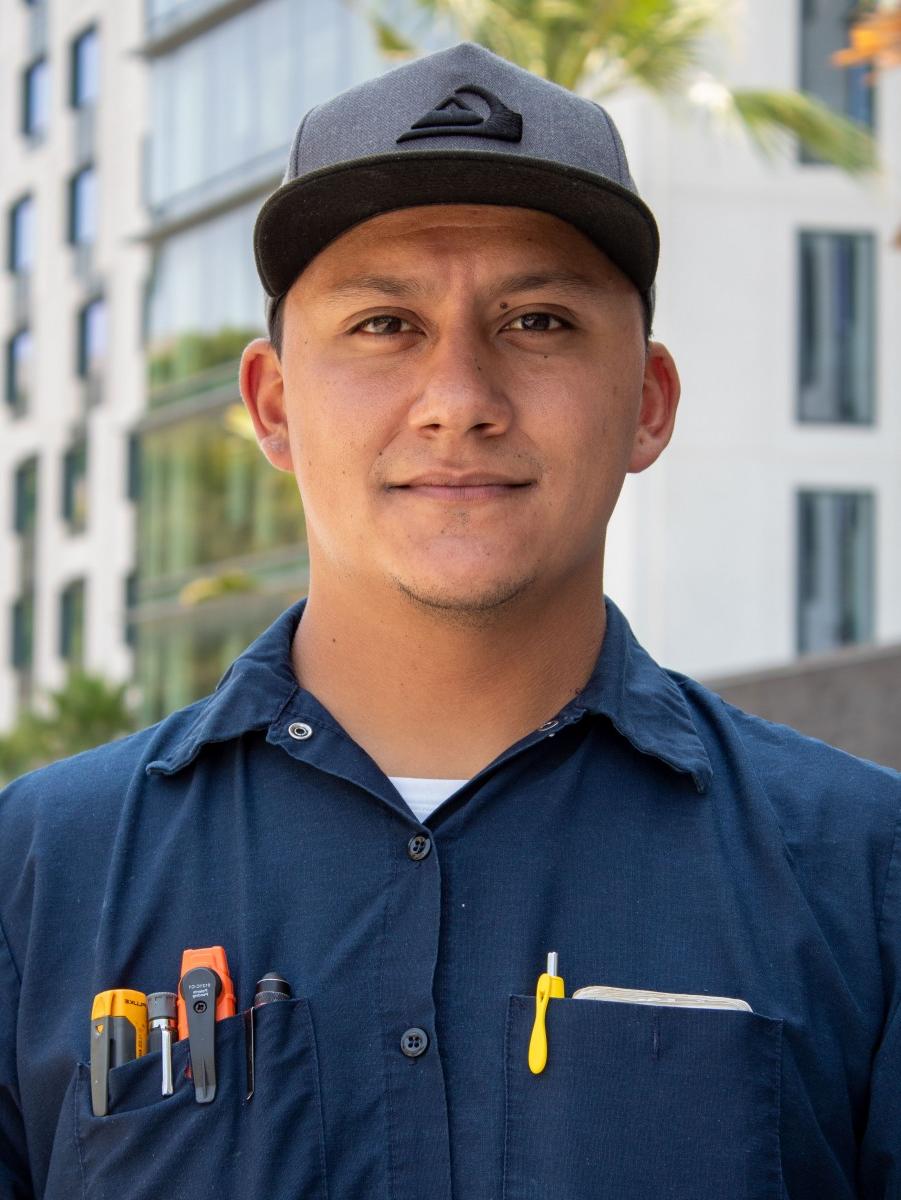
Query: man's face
[[459, 396]]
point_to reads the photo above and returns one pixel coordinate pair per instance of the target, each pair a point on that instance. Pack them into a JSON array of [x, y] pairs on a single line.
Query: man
[[454, 759]]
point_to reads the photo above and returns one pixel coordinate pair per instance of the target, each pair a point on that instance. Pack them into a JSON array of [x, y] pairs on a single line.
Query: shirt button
[[414, 1042], [547, 725], [300, 731], [418, 846]]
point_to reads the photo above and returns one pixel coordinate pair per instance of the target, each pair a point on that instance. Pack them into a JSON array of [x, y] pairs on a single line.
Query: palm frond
[[596, 47], [390, 41], [769, 116]]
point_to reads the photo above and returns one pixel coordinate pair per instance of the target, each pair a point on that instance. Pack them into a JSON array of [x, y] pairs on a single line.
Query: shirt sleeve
[[880, 1161], [15, 1180]]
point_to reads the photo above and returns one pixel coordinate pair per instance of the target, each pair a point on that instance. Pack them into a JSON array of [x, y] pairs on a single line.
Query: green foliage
[[85, 712], [597, 47], [768, 115], [211, 587], [191, 353]]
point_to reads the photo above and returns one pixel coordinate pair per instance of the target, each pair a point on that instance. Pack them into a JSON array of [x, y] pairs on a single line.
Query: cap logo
[[454, 116]]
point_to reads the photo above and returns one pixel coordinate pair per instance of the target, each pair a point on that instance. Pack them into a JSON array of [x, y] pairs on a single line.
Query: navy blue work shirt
[[652, 835]]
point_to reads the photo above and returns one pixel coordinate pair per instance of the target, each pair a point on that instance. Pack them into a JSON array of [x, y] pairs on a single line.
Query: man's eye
[[538, 322], [382, 325]]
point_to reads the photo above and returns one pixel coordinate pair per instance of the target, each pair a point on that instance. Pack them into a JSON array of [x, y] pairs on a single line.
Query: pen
[[272, 987]]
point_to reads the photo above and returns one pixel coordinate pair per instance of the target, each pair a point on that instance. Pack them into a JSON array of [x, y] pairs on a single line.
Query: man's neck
[[428, 696]]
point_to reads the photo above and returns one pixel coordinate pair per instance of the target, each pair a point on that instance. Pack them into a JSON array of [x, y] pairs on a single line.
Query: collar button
[[300, 731]]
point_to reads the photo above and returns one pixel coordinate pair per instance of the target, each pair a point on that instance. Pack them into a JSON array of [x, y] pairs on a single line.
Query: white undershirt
[[424, 795]]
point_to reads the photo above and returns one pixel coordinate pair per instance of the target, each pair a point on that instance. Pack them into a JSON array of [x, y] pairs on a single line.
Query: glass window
[[235, 95], [182, 660], [208, 496], [25, 507], [133, 480], [131, 601], [22, 236], [825, 26], [83, 207], [75, 486], [837, 294], [835, 569], [22, 648], [71, 623], [36, 99], [92, 339], [204, 302], [19, 352], [85, 68]]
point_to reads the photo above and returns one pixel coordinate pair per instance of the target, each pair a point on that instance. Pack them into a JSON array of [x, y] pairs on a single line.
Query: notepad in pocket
[[668, 999]]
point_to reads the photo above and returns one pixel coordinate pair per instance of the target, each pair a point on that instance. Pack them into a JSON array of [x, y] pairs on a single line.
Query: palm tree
[[597, 47], [86, 711]]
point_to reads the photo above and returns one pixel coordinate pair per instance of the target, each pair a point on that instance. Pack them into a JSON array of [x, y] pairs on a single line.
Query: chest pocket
[[150, 1146], [638, 1101]]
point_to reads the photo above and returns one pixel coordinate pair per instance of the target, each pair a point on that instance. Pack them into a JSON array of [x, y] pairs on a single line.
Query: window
[[25, 501], [71, 623], [75, 486], [224, 100], [18, 371], [85, 69], [83, 207], [133, 479], [204, 302], [36, 99], [837, 310], [21, 236], [92, 339], [22, 648], [835, 569], [846, 90], [208, 495], [131, 603]]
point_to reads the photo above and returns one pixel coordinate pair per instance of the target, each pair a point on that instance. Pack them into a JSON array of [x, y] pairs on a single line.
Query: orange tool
[[213, 959]]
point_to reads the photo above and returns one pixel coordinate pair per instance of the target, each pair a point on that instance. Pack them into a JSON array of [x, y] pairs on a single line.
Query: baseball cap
[[461, 126]]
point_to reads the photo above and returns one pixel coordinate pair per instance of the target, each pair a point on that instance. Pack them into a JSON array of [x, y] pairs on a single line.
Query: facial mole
[[504, 305]]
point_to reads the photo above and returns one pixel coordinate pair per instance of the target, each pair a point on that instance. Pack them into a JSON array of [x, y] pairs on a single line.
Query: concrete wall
[[851, 699]]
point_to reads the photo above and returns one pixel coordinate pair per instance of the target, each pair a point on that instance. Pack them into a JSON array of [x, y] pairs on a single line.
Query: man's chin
[[470, 603]]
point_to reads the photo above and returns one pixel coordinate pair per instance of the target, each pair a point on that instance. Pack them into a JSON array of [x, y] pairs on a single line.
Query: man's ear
[[659, 399], [263, 391]]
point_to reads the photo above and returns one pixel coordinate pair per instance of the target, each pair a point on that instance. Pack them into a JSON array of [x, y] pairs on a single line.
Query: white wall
[[701, 552]]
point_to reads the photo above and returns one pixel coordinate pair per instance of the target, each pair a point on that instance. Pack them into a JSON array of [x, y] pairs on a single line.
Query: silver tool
[[161, 1019]]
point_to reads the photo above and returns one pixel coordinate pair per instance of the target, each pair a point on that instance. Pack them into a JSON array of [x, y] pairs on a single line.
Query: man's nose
[[460, 388]]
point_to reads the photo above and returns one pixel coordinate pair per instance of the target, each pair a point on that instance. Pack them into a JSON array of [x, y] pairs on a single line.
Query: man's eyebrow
[[386, 285], [391, 285]]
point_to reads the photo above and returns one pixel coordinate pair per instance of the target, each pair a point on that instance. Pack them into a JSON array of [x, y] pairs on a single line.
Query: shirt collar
[[643, 702], [250, 695]]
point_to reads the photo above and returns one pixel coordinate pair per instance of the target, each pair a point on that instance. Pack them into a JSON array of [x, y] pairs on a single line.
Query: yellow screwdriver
[[549, 986]]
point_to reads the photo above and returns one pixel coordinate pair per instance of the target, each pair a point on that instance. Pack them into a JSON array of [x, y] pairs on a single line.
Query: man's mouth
[[462, 487]]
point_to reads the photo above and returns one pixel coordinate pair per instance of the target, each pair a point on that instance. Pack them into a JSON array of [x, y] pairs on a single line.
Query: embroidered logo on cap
[[454, 116]]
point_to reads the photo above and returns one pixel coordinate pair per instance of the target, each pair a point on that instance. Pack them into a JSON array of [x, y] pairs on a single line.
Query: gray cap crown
[[461, 126]]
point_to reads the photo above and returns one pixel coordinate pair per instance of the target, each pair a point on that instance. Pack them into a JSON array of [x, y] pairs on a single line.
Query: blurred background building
[[144, 537]]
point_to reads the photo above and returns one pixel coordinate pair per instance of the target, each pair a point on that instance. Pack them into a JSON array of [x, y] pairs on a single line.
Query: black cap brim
[[304, 215]]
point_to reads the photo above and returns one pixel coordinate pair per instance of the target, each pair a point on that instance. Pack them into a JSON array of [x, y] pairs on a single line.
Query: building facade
[[771, 527], [71, 118], [143, 535]]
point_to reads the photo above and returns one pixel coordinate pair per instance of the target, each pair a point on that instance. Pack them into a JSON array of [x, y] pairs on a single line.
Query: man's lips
[[462, 488]]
